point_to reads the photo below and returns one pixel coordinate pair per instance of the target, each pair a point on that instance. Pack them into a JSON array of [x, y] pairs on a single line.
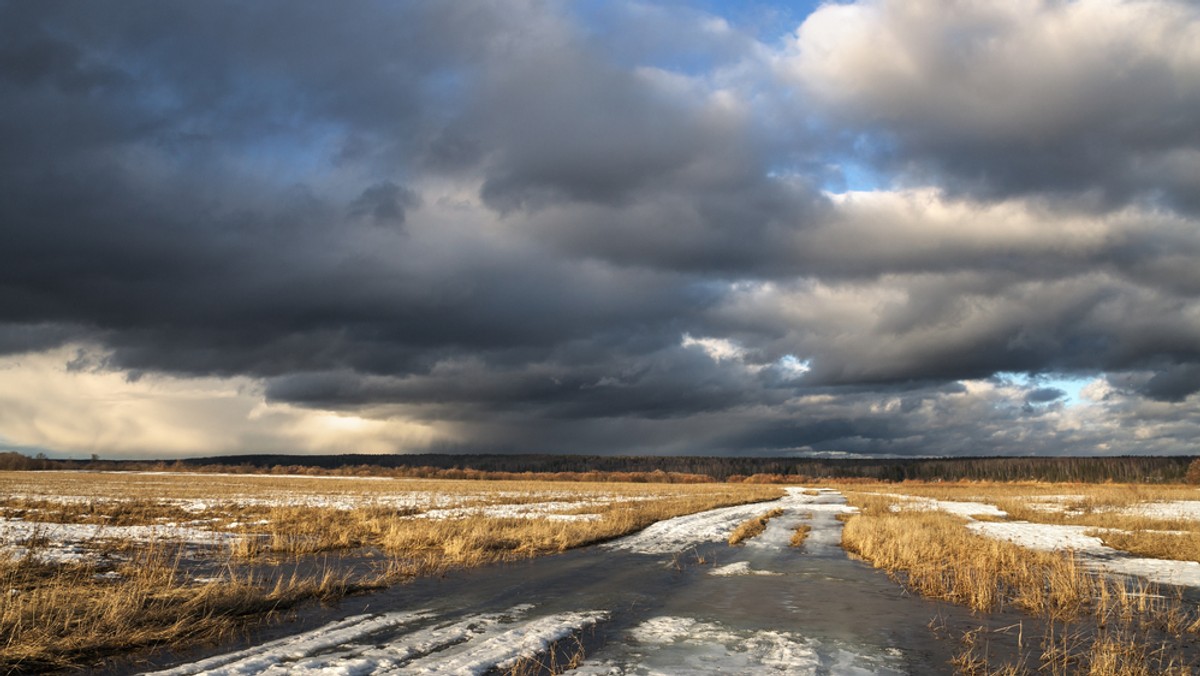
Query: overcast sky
[[902, 227]]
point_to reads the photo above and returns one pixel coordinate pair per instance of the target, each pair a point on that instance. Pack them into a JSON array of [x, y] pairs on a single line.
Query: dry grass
[[942, 559], [1094, 624], [800, 535], [1153, 544], [560, 657], [752, 527], [1111, 509], [72, 615]]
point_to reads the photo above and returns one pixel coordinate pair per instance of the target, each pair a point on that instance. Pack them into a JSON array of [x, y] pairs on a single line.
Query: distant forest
[[1137, 469]]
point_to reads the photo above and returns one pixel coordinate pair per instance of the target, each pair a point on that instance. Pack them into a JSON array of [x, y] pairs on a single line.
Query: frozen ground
[[427, 504], [1057, 537], [70, 543], [55, 542], [674, 599], [418, 644], [1157, 509]]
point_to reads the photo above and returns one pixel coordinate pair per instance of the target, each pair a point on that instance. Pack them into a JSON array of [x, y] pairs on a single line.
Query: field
[[101, 564], [1108, 571], [103, 568]]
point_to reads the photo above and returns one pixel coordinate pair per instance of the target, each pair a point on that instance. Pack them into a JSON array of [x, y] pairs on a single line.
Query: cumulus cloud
[[535, 226], [1001, 98]]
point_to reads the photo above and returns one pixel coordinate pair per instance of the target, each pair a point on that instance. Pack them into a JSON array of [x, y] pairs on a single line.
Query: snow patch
[[684, 646], [368, 644], [680, 533], [508, 648], [261, 659], [75, 542], [961, 508], [739, 568], [1091, 550]]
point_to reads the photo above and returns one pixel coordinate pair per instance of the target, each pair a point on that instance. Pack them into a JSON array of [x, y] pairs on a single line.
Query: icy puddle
[[674, 599]]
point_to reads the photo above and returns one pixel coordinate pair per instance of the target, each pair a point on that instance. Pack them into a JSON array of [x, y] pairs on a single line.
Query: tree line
[[673, 469]]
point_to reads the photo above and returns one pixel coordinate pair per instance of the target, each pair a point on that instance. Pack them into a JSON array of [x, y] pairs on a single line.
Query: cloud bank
[[896, 227]]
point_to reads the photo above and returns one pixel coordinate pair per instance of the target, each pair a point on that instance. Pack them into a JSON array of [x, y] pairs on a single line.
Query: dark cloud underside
[[547, 230]]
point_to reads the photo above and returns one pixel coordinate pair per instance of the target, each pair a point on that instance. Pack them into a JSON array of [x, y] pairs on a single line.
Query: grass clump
[[752, 527], [800, 535]]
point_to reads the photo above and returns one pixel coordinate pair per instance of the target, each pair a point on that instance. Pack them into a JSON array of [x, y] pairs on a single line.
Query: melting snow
[[369, 644], [677, 535], [73, 542], [1058, 537], [739, 568], [685, 646], [1091, 550], [957, 507]]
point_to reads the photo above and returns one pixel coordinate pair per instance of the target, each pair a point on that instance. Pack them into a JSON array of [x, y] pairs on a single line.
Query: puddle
[[699, 606]]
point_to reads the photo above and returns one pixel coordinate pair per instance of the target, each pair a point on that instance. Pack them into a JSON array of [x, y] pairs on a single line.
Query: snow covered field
[[61, 516], [1059, 537], [673, 598]]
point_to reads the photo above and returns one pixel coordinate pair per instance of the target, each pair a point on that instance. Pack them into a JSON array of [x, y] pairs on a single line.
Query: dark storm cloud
[[1174, 383], [1045, 395], [385, 203], [556, 235]]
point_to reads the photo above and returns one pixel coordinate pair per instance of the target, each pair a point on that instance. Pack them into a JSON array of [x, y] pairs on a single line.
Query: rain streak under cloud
[[909, 227]]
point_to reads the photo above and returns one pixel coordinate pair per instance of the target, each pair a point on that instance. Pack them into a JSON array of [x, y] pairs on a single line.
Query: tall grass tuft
[[752, 527]]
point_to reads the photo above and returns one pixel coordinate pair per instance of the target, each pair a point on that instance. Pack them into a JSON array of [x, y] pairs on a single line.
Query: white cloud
[[45, 404], [718, 349]]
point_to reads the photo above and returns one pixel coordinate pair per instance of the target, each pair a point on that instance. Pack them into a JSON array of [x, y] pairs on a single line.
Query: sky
[[869, 228]]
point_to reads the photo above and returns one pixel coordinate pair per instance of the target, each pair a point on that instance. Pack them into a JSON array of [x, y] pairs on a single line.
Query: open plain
[[229, 573]]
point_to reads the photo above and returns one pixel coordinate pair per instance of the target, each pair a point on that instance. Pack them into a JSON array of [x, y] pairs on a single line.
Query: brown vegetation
[[74, 615], [66, 616], [1095, 625], [800, 535], [752, 527]]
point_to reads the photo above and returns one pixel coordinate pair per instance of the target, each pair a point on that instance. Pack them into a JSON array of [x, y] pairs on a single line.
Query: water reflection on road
[[674, 599]]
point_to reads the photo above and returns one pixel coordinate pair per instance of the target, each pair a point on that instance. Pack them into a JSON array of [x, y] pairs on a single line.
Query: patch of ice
[[684, 646], [678, 534], [739, 568], [507, 649], [472, 645], [260, 659], [675, 535], [364, 657]]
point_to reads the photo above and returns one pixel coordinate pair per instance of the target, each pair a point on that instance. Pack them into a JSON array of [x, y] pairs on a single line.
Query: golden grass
[[752, 527], [1153, 544], [71, 616], [942, 559], [1108, 508], [65, 616], [800, 535], [1095, 625]]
